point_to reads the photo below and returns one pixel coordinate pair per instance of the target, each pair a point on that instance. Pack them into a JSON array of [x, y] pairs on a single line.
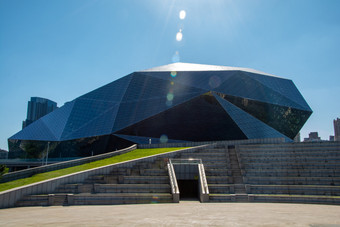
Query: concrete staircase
[[296, 173], [299, 173], [143, 183]]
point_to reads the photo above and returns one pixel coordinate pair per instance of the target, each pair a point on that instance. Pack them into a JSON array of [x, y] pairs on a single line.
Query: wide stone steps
[[294, 189], [219, 179], [222, 197], [33, 200], [145, 180], [102, 179], [132, 188], [217, 172], [291, 154], [289, 147], [153, 172], [96, 199], [293, 180], [121, 198], [312, 199], [221, 188], [279, 165], [293, 173], [292, 160], [220, 165]]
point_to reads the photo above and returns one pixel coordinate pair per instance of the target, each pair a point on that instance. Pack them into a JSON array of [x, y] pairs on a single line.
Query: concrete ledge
[[10, 197], [222, 143], [295, 199]]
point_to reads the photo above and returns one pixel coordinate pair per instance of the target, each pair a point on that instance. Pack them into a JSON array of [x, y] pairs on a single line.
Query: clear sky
[[61, 49]]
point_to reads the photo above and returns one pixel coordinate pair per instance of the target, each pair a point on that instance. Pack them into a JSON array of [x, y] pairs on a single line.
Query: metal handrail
[[203, 178], [173, 182]]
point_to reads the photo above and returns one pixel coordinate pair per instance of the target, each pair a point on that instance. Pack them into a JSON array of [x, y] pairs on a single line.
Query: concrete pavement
[[186, 213]]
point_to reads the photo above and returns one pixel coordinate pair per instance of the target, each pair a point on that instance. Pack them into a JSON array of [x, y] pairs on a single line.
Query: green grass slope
[[135, 154]]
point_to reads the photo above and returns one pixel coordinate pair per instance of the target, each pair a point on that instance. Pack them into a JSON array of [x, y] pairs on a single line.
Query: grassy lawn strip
[[138, 153]]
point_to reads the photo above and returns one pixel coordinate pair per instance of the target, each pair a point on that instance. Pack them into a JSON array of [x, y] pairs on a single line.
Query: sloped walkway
[[186, 213]]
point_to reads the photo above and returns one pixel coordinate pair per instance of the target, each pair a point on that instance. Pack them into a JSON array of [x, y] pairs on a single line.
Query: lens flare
[[173, 73], [172, 83], [179, 35], [155, 199], [214, 81], [168, 103], [182, 14], [175, 57], [163, 138], [170, 96]]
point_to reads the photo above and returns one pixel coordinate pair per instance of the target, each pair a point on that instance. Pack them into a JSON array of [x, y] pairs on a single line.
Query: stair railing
[[204, 190], [173, 182]]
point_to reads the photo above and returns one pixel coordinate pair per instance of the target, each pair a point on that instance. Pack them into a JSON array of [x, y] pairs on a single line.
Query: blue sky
[[61, 49]]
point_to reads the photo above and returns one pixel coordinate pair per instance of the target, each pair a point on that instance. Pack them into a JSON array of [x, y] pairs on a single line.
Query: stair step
[[121, 198], [132, 188], [219, 180], [221, 197], [145, 179], [221, 188]]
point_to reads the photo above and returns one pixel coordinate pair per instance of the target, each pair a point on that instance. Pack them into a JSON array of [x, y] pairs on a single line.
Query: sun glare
[[179, 36], [182, 14]]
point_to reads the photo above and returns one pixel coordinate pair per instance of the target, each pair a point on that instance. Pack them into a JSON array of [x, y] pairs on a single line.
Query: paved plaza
[[186, 213]]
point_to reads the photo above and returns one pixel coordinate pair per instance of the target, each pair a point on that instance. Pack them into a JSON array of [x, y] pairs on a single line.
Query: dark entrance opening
[[188, 189]]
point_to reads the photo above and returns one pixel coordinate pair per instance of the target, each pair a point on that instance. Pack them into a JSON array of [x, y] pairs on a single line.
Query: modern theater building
[[172, 103]]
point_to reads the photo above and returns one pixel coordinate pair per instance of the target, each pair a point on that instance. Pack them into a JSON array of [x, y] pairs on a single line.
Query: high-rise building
[[37, 108], [336, 124], [313, 137]]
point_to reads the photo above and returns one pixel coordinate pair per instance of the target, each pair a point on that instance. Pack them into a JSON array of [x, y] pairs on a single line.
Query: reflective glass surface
[[181, 102]]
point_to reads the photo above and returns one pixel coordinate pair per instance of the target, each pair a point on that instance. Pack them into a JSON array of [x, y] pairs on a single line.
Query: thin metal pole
[[48, 147]]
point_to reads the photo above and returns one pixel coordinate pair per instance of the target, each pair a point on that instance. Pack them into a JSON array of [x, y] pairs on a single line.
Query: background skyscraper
[[37, 108], [336, 129]]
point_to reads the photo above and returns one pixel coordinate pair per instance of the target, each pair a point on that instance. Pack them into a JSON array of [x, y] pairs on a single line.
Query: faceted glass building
[[171, 103]]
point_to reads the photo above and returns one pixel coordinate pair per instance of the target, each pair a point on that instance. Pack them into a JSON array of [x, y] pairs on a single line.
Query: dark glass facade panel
[[57, 120], [100, 125], [112, 92], [132, 112], [284, 119], [283, 86], [206, 80], [144, 87], [85, 111], [200, 119], [250, 126], [241, 85]]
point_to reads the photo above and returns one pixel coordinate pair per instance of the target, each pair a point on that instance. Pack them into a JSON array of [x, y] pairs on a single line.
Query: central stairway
[[223, 173]]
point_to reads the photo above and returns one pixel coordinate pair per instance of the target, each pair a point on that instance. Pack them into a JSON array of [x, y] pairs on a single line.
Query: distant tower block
[[37, 108], [336, 129]]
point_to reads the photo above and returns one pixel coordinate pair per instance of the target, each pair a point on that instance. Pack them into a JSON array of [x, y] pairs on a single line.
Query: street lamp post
[[48, 147]]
